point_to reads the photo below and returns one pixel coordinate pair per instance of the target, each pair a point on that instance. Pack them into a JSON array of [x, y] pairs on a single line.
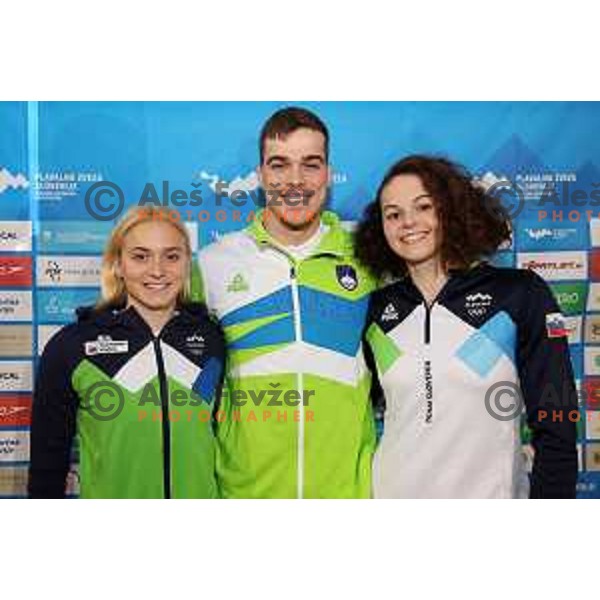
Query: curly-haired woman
[[460, 346]]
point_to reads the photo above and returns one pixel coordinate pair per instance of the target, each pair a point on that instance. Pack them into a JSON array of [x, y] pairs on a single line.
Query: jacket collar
[[130, 317], [336, 240], [455, 278]]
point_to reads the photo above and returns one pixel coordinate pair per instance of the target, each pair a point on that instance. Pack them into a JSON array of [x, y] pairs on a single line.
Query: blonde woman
[[135, 378]]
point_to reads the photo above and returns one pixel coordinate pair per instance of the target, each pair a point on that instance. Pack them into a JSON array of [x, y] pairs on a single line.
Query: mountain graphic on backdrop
[[351, 206], [587, 181], [587, 175], [513, 157]]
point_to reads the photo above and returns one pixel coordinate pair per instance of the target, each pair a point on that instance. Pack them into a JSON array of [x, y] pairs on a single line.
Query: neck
[[155, 318], [286, 235], [429, 277]]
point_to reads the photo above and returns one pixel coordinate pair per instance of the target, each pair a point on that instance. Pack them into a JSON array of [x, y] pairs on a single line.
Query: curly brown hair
[[474, 223]]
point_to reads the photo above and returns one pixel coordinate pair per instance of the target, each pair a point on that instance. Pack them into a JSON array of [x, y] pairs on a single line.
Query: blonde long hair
[[113, 290]]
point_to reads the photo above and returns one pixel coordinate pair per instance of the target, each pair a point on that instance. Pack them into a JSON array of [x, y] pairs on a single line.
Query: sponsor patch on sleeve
[[556, 325]]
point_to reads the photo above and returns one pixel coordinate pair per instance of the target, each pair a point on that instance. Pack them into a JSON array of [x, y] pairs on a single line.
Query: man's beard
[[300, 221]]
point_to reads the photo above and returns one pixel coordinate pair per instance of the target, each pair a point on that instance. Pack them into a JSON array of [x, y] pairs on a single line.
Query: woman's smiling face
[[411, 223]]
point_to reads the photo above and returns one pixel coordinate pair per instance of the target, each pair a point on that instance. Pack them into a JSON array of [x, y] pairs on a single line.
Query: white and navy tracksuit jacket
[[447, 432]]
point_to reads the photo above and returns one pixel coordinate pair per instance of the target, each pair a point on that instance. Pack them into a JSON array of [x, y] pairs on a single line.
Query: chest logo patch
[[390, 313], [238, 284], [346, 276], [195, 344], [106, 345], [477, 304]]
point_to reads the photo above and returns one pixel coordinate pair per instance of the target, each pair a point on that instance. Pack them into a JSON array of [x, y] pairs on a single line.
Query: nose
[[157, 267], [296, 176], [408, 219]]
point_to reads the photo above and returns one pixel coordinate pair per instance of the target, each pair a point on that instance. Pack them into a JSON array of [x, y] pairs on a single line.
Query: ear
[[259, 175], [117, 269]]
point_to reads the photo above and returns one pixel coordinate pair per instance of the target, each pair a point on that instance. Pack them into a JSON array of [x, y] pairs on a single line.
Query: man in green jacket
[[296, 419]]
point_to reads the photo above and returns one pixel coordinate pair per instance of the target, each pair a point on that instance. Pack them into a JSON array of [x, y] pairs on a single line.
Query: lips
[[296, 194], [414, 238], [157, 287]]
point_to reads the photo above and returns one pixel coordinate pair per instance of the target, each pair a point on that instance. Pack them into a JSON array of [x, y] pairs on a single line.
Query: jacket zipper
[[428, 322], [298, 336], [166, 426]]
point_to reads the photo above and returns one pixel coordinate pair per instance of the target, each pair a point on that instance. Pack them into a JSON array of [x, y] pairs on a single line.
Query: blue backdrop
[[52, 153]]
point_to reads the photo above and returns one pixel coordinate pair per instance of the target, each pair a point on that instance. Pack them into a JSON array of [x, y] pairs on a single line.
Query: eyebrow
[[278, 157], [144, 249], [393, 205]]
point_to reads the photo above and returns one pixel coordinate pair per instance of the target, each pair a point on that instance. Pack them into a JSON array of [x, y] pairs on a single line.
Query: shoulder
[[390, 292], [230, 244], [65, 345], [524, 280]]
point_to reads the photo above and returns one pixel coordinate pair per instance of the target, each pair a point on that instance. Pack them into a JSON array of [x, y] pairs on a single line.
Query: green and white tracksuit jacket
[[141, 405], [297, 420]]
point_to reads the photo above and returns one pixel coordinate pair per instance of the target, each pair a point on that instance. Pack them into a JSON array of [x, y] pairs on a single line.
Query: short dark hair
[[286, 121], [474, 223]]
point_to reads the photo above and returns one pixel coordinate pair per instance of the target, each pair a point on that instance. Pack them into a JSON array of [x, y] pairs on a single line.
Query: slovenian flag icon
[[556, 326]]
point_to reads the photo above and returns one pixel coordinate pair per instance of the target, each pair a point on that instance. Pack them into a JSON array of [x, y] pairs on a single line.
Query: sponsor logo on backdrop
[[56, 186], [15, 340], [555, 266], [58, 306], [15, 376], [592, 425], [73, 236], [595, 264], [593, 300], [13, 481], [595, 232], [15, 236], [576, 356], [88, 236], [590, 393], [592, 329], [15, 306], [15, 410], [543, 183], [15, 271], [45, 334], [82, 271], [570, 297], [8, 181], [592, 361], [573, 326], [549, 237], [14, 446], [592, 457]]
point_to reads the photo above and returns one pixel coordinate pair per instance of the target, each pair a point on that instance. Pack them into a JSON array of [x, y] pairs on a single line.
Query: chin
[[296, 225], [153, 304], [297, 220]]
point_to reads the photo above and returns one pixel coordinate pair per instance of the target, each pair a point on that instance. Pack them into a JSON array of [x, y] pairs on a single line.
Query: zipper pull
[[293, 272]]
